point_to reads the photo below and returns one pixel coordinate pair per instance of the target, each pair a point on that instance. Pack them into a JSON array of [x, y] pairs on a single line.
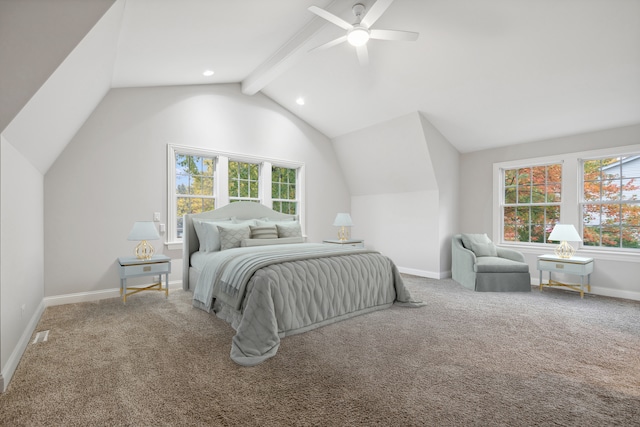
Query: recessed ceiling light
[[300, 100], [208, 73]]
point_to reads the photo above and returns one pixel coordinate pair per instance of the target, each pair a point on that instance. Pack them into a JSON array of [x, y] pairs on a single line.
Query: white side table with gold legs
[[578, 266], [131, 266]]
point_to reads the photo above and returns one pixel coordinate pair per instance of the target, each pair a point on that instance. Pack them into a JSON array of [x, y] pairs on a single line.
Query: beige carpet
[[510, 359]]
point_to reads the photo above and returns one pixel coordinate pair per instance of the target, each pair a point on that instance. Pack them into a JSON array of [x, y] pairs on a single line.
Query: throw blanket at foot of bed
[[290, 297]]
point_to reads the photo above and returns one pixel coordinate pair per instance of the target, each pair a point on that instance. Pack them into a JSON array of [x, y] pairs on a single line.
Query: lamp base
[[144, 250], [565, 250], [343, 234]]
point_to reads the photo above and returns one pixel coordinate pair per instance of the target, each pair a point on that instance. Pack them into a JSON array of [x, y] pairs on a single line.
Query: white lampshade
[[564, 232], [143, 230], [343, 220]]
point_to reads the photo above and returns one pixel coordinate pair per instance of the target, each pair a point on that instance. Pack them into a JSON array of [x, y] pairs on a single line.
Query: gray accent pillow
[[231, 235], [266, 232], [469, 239], [484, 249], [289, 230]]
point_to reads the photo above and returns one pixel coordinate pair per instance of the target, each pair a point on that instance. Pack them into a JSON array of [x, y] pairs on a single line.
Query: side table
[[578, 266], [356, 243], [135, 267]]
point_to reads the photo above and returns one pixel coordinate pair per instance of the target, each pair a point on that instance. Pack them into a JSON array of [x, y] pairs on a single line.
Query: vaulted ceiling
[[485, 73]]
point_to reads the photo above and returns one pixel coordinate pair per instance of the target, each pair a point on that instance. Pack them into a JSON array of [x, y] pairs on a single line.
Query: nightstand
[[356, 243], [578, 266], [135, 267]]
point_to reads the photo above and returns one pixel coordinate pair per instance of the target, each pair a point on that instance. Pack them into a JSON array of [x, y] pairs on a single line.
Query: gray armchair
[[479, 265]]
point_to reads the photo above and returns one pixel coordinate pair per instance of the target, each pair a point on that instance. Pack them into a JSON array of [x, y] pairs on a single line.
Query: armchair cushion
[[469, 239], [488, 264], [484, 249]]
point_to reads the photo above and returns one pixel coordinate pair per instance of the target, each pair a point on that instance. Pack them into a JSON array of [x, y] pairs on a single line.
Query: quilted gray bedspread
[[289, 293]]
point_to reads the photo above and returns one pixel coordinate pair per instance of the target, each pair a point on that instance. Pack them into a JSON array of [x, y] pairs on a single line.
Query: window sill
[[608, 255], [173, 246]]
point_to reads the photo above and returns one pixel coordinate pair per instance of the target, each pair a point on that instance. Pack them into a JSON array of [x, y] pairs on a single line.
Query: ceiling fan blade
[[363, 55], [331, 43], [375, 12], [331, 17], [408, 36]]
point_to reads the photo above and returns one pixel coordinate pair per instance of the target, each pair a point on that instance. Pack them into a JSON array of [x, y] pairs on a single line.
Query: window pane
[[510, 195], [537, 233], [591, 236], [524, 177], [510, 177], [510, 233], [611, 236], [538, 193], [630, 189], [524, 194], [554, 174]]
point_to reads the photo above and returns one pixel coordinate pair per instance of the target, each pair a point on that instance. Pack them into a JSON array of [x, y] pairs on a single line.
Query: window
[[244, 181], [531, 201], [283, 190], [611, 202], [194, 187], [201, 180]]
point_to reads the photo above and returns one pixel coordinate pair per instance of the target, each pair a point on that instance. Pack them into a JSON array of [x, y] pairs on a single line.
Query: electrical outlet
[[24, 306], [156, 216], [162, 228]]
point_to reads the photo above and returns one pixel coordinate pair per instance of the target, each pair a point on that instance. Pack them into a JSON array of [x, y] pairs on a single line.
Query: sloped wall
[[402, 203]]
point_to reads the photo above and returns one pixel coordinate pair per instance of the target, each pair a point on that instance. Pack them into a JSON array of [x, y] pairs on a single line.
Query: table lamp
[[143, 231], [343, 220], [564, 233]]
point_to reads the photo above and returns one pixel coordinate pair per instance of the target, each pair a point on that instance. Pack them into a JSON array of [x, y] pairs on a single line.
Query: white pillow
[[207, 232], [264, 242], [236, 220], [232, 234]]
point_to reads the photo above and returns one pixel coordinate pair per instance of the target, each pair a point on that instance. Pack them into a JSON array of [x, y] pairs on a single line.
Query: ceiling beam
[[284, 57]]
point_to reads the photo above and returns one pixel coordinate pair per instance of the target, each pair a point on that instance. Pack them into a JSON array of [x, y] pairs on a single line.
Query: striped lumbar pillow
[[264, 232]]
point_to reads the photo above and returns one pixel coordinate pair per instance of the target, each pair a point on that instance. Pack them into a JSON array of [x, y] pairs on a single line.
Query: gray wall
[[402, 175], [113, 173], [21, 254], [616, 277]]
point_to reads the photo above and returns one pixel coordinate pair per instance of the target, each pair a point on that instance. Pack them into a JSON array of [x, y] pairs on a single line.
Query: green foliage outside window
[[194, 186], [244, 181], [531, 206], [283, 190], [611, 209]]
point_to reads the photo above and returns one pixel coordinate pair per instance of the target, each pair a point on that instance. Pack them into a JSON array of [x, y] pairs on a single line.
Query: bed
[[250, 265]]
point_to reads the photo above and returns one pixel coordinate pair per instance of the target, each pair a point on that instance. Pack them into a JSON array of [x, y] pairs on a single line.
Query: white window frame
[[503, 205], [221, 183], [269, 190], [583, 202], [570, 210]]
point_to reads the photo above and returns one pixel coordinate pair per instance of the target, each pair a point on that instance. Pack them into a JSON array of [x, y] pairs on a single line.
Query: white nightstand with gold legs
[[578, 266], [135, 267]]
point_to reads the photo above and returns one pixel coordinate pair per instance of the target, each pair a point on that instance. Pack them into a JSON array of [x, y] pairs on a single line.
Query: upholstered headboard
[[239, 210]]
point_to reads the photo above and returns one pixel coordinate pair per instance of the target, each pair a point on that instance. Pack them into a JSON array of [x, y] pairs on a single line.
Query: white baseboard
[[595, 290], [424, 273], [95, 295], [13, 361]]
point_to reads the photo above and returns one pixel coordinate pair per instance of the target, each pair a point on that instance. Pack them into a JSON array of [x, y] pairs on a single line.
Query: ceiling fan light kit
[[358, 36], [359, 33]]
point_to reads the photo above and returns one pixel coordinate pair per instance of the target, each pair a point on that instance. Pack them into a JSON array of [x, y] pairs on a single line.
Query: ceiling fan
[[359, 33]]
